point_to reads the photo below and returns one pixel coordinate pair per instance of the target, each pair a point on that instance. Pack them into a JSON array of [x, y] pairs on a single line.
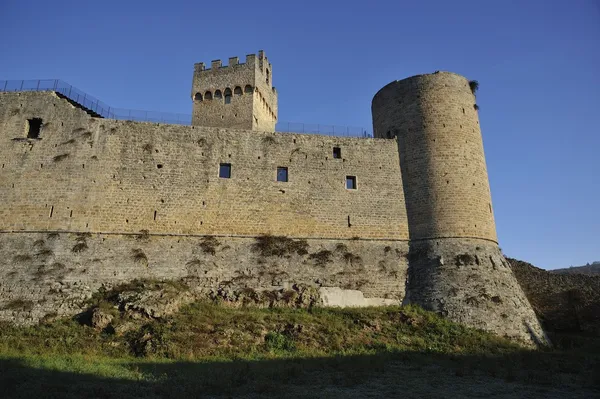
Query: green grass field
[[208, 350]]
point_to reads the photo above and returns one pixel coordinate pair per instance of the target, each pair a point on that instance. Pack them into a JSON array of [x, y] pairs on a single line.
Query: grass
[[219, 350]]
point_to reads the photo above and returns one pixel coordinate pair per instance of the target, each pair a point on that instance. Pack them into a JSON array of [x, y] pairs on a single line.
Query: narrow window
[[225, 170], [268, 73], [228, 96], [34, 126], [337, 152], [282, 174], [237, 91], [198, 97], [351, 182]]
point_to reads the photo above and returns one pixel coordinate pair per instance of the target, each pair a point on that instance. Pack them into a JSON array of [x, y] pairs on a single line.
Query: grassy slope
[[214, 350]]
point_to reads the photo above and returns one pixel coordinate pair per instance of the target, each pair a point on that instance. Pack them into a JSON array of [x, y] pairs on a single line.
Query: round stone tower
[[455, 265]]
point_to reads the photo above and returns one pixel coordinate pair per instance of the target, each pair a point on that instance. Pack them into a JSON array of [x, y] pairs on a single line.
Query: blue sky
[[538, 64]]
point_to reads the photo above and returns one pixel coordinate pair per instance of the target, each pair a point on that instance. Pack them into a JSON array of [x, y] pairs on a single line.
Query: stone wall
[[98, 175], [441, 155], [54, 273], [253, 104], [469, 281]]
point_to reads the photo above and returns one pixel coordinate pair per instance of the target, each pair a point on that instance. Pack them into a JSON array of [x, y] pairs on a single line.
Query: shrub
[[474, 86], [276, 342], [79, 247], [209, 245], [321, 258], [279, 246], [19, 304]]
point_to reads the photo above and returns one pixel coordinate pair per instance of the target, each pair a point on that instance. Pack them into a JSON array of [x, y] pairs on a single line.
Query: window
[[198, 97], [218, 94], [351, 182], [208, 95], [282, 174], [225, 170], [237, 91], [228, 96], [268, 76], [248, 89], [337, 152], [34, 126]]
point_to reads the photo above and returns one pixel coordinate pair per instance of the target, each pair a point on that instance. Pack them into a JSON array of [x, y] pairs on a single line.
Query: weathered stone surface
[[280, 272], [474, 286], [101, 319], [338, 297]]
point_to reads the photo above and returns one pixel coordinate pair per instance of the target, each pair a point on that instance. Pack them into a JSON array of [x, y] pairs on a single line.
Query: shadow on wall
[[408, 374]]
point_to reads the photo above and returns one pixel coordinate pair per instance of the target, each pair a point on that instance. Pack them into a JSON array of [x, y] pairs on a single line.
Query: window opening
[[218, 94], [351, 182], [198, 97], [337, 152], [237, 91], [34, 127], [208, 95], [228, 96], [282, 174], [225, 170], [248, 89]]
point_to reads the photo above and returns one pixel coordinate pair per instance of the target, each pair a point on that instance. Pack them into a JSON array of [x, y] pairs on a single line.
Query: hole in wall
[[349, 224], [154, 215], [159, 166], [82, 166], [126, 220], [71, 214], [34, 128], [259, 157], [51, 210]]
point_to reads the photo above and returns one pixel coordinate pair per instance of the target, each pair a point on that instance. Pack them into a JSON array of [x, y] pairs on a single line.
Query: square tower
[[236, 96]]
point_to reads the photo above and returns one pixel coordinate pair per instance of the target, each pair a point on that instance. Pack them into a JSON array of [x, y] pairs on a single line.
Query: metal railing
[[101, 109]]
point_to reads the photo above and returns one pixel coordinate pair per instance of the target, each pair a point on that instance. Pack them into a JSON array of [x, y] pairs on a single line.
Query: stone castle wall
[[98, 175], [441, 155], [54, 273]]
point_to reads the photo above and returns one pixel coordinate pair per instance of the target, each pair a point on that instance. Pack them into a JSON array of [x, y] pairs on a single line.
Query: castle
[[228, 204]]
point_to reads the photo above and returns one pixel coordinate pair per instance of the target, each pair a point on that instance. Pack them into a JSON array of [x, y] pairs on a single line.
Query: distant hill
[[592, 269]]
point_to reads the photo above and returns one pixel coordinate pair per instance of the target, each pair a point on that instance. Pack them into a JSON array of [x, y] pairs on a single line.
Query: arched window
[[208, 95], [218, 95], [198, 97], [228, 96], [248, 89], [237, 91]]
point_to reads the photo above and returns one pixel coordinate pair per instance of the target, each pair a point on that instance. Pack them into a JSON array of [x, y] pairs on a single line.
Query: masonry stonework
[[238, 95], [93, 202], [456, 267]]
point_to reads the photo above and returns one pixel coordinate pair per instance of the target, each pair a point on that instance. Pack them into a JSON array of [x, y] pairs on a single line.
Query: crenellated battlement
[[263, 63]]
